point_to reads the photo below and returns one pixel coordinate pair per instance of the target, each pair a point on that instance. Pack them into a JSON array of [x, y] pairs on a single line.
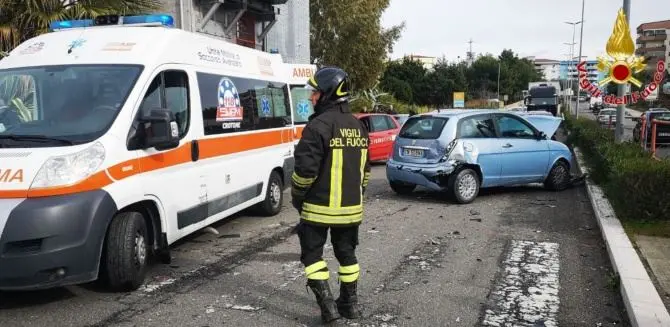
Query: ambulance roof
[[142, 45]]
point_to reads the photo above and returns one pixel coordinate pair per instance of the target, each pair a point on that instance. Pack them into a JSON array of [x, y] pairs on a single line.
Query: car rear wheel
[[126, 253], [559, 177], [464, 186], [402, 189]]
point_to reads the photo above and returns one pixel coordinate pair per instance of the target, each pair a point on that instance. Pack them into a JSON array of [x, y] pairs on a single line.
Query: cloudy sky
[[528, 27]]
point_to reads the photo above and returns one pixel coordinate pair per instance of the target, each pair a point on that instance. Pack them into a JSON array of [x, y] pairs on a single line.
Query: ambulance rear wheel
[[274, 197], [125, 259]]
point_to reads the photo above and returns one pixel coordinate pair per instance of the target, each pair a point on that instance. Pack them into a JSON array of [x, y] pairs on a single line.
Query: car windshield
[[660, 116], [61, 105], [608, 113], [542, 101], [302, 106], [425, 127]]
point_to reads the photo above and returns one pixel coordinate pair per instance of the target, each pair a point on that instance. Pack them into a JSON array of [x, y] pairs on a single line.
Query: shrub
[[636, 184]]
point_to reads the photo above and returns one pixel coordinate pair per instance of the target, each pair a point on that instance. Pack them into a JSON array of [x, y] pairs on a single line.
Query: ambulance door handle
[[195, 150]]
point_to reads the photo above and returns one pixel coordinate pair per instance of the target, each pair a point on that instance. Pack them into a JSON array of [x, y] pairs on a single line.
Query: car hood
[[546, 124]]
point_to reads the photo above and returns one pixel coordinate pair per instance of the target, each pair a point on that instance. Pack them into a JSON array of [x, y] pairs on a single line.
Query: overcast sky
[[528, 27]]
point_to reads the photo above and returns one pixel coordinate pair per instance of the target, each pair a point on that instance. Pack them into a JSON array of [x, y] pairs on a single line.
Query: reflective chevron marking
[[527, 293]]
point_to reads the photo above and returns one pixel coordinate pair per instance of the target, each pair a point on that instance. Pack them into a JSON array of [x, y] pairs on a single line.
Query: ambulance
[[121, 135], [297, 76]]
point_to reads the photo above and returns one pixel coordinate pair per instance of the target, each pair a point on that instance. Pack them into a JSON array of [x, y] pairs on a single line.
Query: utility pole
[[470, 54], [620, 109], [581, 37], [498, 80]]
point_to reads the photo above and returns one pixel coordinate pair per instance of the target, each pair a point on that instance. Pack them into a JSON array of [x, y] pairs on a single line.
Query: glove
[[297, 204]]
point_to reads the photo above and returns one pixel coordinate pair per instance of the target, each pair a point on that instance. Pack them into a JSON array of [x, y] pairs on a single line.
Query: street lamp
[[572, 48]]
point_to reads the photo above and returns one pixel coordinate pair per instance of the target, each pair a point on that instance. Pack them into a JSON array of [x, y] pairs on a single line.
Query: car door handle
[[507, 145]]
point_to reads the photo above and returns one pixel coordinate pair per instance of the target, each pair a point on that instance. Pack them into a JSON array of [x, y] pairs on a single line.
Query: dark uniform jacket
[[332, 168]]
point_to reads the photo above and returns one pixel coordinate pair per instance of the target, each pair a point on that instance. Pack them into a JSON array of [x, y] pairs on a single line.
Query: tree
[[348, 34], [22, 19], [404, 73]]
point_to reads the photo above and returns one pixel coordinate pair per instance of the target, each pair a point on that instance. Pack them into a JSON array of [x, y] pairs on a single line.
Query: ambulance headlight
[[70, 169]]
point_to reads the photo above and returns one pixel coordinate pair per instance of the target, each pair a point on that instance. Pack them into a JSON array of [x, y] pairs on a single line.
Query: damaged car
[[461, 151]]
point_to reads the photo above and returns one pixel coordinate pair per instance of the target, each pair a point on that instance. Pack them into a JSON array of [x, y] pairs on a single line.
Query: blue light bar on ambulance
[[66, 24], [143, 20]]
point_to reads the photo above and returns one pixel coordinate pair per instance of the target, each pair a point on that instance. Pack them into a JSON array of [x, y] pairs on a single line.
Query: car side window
[[379, 123], [390, 122], [476, 127], [366, 122], [511, 127]]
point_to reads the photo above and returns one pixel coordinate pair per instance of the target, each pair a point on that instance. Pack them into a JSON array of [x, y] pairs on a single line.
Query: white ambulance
[[121, 135], [298, 75]]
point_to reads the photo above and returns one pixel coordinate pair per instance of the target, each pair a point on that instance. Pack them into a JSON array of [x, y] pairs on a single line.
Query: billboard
[[459, 99]]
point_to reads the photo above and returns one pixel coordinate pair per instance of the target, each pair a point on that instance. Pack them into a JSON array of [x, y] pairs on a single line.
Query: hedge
[[637, 185]]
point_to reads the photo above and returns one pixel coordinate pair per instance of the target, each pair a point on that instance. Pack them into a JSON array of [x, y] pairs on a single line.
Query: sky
[[527, 27]]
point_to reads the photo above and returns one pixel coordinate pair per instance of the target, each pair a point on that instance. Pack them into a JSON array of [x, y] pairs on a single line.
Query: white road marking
[[527, 293]]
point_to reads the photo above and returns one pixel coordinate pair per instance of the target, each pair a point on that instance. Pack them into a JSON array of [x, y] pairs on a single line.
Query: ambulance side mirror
[[160, 129]]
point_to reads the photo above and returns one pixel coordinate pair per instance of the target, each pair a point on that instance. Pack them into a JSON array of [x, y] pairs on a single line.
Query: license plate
[[413, 152], [664, 134]]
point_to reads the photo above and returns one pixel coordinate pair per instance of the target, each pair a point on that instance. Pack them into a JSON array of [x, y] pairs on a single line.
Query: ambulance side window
[[170, 90], [238, 104]]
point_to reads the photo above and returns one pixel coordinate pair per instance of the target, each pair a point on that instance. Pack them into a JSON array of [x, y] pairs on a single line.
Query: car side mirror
[[541, 136], [160, 129]]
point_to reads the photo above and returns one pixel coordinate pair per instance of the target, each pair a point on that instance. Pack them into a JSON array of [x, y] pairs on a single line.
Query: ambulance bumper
[[52, 241]]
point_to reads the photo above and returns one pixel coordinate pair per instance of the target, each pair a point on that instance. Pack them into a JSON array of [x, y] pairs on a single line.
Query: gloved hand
[[297, 204]]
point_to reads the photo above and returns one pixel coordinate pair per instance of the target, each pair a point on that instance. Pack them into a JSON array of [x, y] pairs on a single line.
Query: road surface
[[514, 255]]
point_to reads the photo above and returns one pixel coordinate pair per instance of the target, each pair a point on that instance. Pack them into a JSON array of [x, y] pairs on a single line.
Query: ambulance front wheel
[[125, 257], [274, 196]]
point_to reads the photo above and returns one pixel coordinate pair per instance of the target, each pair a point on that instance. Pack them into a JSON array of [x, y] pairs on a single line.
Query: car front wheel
[[559, 177], [464, 186], [126, 254]]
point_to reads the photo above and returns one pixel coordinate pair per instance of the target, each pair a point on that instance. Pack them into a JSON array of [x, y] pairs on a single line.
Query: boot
[[324, 297], [347, 303]]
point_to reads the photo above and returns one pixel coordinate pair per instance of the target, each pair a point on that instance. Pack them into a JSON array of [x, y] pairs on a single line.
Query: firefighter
[[331, 173]]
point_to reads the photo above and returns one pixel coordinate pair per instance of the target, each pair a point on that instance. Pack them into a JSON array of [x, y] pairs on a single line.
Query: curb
[[643, 303]]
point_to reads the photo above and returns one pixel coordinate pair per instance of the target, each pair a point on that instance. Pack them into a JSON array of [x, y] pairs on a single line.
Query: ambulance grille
[[14, 154]]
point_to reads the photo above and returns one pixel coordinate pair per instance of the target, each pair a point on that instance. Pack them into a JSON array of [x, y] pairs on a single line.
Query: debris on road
[[247, 308], [479, 220], [474, 212], [230, 236]]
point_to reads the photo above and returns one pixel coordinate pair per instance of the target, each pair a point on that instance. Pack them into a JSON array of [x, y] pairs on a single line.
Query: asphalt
[[426, 262]]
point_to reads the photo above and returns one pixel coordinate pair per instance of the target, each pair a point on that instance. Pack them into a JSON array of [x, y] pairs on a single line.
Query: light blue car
[[461, 151]]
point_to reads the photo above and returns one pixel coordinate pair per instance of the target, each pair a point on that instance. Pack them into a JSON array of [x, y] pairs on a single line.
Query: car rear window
[[425, 127], [660, 116]]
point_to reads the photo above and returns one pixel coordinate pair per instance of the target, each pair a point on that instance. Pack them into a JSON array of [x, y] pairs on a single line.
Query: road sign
[[459, 99]]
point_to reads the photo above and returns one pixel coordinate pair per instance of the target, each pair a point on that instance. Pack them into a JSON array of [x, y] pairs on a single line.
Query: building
[[568, 70], [269, 25], [653, 42], [427, 62], [548, 67]]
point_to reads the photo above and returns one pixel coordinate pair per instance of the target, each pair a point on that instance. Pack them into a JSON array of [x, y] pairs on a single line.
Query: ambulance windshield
[[61, 105]]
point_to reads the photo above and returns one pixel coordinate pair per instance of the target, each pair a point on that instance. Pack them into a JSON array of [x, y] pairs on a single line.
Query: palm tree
[[24, 19]]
